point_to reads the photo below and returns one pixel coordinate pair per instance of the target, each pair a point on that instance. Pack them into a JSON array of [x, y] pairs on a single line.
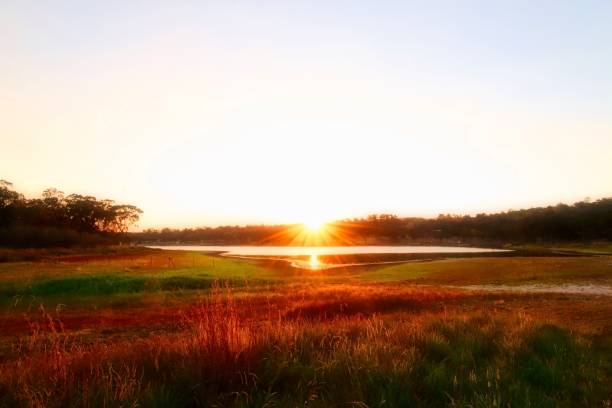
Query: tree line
[[582, 221], [57, 219]]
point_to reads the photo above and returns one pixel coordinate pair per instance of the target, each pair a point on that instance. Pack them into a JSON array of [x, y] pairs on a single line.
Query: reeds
[[347, 345]]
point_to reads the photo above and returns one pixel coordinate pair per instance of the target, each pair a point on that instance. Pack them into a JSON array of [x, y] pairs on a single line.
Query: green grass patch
[[87, 286], [510, 270], [107, 285], [448, 364]]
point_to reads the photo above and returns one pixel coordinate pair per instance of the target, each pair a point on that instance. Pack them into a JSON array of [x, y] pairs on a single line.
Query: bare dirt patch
[[582, 289]]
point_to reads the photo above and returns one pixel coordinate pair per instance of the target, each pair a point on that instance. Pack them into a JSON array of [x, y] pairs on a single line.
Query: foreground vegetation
[[110, 330]]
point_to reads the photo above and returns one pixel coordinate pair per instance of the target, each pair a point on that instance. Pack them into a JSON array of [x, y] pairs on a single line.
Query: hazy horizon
[[195, 225], [273, 113]]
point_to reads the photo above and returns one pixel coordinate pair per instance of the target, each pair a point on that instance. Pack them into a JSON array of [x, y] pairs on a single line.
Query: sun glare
[[314, 225]]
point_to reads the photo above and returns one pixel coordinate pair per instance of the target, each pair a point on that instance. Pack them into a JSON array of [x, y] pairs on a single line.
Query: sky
[[229, 112]]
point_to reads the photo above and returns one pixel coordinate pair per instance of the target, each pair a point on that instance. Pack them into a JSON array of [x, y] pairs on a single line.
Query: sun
[[314, 225]]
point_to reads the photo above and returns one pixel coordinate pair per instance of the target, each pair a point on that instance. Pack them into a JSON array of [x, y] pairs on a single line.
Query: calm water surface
[[313, 253], [326, 250]]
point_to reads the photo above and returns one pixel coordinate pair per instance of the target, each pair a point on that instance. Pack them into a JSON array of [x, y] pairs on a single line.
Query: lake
[[325, 257]]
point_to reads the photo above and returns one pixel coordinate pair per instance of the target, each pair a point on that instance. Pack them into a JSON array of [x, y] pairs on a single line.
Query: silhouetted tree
[[10, 202], [56, 219]]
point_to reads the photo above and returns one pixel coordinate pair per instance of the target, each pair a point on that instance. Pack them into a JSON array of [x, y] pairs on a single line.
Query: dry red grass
[[319, 302], [223, 340]]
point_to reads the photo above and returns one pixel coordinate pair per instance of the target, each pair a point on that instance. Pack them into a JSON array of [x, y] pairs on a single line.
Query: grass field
[[146, 327]]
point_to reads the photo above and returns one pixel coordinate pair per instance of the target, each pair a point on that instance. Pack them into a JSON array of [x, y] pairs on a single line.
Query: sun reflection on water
[[314, 261]]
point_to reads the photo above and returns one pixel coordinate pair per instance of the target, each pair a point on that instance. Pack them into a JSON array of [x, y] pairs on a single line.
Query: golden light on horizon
[[321, 233], [309, 109], [314, 225]]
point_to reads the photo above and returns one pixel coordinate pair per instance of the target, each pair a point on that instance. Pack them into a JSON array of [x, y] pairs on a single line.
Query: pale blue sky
[[317, 109]]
